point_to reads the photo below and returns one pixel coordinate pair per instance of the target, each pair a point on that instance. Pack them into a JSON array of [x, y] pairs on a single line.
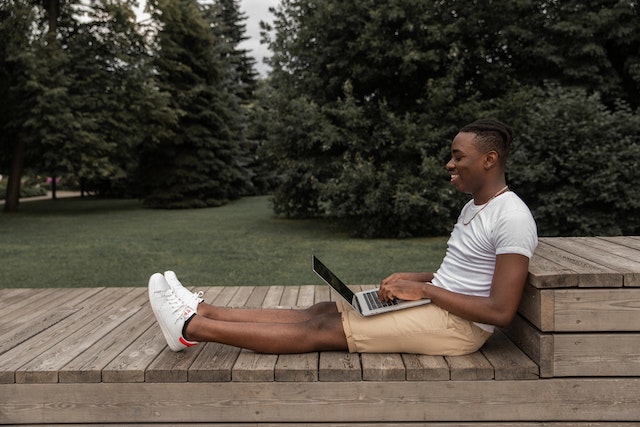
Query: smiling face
[[469, 164]]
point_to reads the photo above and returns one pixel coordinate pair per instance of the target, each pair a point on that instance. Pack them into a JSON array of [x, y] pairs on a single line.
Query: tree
[[195, 164], [227, 22], [38, 109], [75, 88], [16, 63], [574, 161], [111, 91], [388, 84]]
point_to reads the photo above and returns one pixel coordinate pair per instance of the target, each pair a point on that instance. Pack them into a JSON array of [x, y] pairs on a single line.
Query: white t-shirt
[[503, 226]]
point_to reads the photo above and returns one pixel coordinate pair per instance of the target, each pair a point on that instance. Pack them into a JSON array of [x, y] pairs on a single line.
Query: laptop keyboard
[[373, 302]]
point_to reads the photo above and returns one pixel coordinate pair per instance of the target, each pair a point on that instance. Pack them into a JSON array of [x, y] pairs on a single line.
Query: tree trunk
[[12, 200]]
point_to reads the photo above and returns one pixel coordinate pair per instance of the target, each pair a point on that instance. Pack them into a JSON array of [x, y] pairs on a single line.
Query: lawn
[[87, 242]]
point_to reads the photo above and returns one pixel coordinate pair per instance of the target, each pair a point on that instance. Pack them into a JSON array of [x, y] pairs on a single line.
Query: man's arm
[[499, 308]]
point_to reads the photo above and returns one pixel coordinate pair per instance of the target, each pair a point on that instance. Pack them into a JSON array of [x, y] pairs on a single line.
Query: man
[[478, 286]]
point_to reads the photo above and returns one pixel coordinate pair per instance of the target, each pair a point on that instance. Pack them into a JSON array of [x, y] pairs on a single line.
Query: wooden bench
[[95, 356], [580, 314]]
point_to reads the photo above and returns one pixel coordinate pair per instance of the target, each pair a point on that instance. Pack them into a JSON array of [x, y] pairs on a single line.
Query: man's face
[[467, 163]]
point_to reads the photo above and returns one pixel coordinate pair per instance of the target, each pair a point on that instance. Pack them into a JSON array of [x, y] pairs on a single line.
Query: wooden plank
[[598, 253], [322, 293], [289, 297], [538, 346], [618, 246], [215, 361], [28, 350], [590, 310], [225, 296], [537, 306], [41, 301], [130, 365], [568, 399], [508, 361], [420, 367], [209, 294], [11, 296], [104, 318], [18, 334], [20, 301], [88, 366], [256, 299], [596, 355], [632, 242], [544, 273], [241, 296], [582, 310], [251, 366], [254, 367], [472, 366], [297, 367], [170, 366], [586, 272], [273, 296], [339, 366], [306, 296], [382, 367]]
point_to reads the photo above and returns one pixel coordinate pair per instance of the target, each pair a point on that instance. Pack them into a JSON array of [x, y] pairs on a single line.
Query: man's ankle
[[185, 334]]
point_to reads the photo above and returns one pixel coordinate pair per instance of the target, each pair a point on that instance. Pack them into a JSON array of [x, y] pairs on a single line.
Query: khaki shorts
[[426, 329]]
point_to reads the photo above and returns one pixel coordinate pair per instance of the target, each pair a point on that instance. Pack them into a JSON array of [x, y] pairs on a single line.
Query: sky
[[255, 11]]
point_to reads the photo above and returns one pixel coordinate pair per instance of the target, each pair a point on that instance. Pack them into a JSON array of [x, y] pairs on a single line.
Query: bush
[[25, 190], [576, 163]]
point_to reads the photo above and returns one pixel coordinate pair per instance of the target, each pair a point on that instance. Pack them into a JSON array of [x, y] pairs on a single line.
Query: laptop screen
[[332, 279]]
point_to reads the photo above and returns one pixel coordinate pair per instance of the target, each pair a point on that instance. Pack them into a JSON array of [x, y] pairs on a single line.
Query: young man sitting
[[477, 287]]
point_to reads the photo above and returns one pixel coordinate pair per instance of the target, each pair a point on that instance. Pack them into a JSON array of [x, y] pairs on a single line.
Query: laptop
[[364, 302]]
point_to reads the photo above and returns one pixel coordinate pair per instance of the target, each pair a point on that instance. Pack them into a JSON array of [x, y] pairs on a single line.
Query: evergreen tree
[[227, 22], [111, 73], [195, 164]]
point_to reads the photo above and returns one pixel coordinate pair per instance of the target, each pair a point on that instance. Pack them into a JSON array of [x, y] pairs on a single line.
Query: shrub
[[576, 162]]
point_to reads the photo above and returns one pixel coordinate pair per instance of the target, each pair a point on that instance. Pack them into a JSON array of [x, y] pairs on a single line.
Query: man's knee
[[322, 308]]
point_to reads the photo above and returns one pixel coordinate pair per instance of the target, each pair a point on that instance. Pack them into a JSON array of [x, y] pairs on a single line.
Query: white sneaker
[[192, 299], [170, 311]]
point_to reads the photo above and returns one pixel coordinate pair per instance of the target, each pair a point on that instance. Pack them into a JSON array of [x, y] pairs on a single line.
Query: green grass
[[86, 242]]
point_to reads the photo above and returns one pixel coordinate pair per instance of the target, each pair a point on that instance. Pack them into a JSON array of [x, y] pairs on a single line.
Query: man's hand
[[404, 286]]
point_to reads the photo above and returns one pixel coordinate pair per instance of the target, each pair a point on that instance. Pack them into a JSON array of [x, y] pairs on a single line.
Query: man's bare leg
[[266, 315], [320, 332]]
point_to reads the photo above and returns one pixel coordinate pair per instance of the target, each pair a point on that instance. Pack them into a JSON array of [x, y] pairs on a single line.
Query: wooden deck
[[96, 356]]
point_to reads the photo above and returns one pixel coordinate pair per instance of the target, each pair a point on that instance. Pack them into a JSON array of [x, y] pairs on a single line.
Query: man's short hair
[[492, 135]]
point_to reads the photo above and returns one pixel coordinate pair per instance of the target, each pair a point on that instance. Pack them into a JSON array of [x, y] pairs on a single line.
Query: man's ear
[[490, 159]]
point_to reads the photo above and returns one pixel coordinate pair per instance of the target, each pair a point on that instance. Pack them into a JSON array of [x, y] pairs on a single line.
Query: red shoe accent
[[187, 343]]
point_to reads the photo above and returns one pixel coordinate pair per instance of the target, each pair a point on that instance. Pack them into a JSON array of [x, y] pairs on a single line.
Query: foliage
[[196, 163], [576, 162], [83, 98], [368, 95]]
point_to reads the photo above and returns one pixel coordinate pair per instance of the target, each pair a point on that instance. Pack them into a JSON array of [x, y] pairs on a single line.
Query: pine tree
[[111, 73], [195, 164]]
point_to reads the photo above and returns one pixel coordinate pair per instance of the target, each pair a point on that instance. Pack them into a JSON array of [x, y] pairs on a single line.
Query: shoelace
[[191, 299], [197, 296], [175, 303]]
